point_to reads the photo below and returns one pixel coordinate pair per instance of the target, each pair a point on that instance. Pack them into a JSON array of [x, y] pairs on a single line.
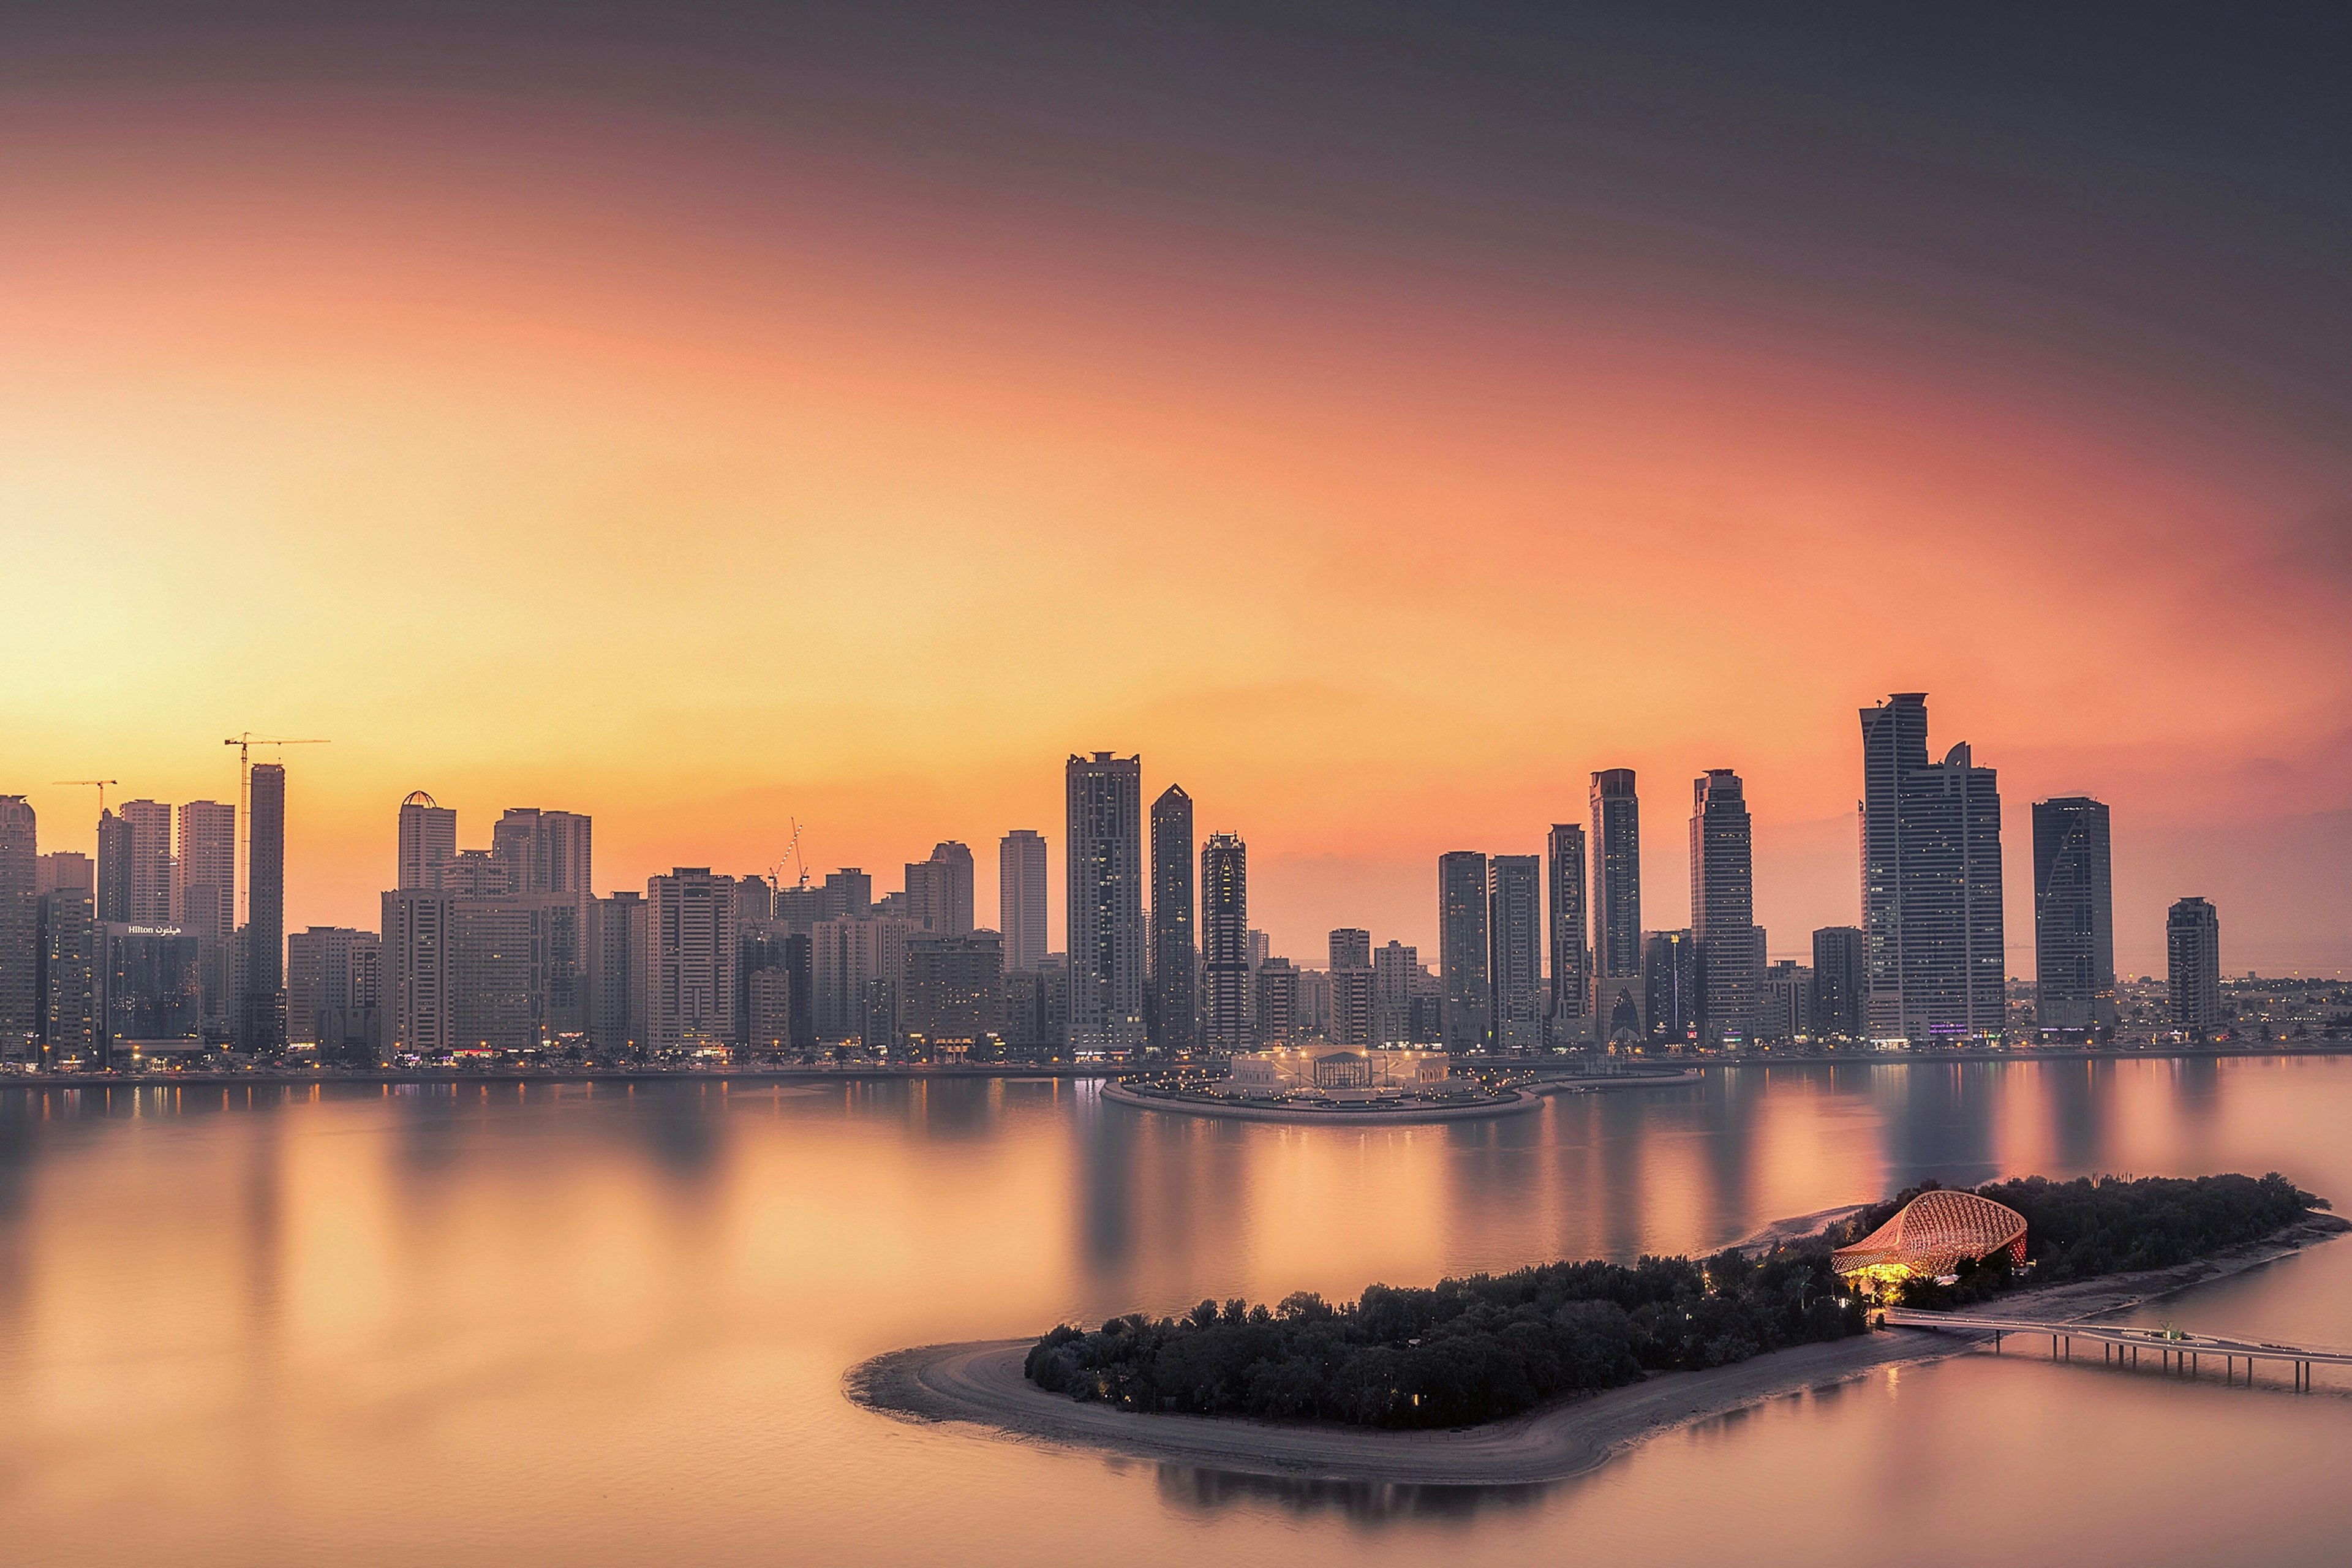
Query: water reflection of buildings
[[1939, 1121]]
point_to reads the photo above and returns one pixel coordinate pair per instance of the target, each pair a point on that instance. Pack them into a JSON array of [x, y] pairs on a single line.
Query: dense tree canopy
[[1465, 1350], [1492, 1345]]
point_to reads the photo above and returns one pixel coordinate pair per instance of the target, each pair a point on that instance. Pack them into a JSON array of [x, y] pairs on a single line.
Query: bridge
[[2179, 1352]]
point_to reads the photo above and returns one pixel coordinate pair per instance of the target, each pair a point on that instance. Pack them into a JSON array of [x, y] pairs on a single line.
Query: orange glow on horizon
[[532, 477]]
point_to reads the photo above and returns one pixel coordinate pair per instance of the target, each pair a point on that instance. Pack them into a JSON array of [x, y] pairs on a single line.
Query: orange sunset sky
[[770, 418]]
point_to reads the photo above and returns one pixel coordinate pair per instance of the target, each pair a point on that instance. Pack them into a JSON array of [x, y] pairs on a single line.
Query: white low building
[[1336, 1070]]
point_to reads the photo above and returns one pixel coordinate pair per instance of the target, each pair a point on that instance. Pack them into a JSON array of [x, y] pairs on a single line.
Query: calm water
[[581, 1326]]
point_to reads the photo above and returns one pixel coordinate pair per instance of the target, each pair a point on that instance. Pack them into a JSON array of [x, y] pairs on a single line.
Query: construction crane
[[239, 873], [792, 853], [100, 784]]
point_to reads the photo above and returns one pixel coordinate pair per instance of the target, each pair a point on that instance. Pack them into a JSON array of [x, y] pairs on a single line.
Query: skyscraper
[[1932, 930], [420, 976], [1020, 897], [20, 930], [1723, 908], [1670, 984], [204, 904], [113, 867], [1841, 983], [545, 851], [265, 909], [690, 942], [68, 954], [2193, 954], [1619, 996], [1349, 1019], [150, 824], [1463, 955], [2073, 916], [1105, 861], [1571, 959], [1173, 960], [1515, 937], [956, 857], [1227, 1023], [428, 841]]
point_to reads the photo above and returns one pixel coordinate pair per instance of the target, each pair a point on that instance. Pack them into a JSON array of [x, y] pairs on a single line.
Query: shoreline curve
[[981, 1382]]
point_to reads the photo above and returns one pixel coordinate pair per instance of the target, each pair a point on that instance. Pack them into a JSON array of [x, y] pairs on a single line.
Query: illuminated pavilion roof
[[1934, 1232]]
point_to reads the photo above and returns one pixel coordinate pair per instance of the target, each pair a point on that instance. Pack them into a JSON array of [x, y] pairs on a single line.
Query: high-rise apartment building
[[938, 892], [150, 871], [20, 930], [545, 851], [1931, 911], [1275, 998], [428, 841], [420, 975], [1463, 955], [858, 973], [113, 867], [1020, 897], [1723, 908], [1174, 961], [1396, 976], [619, 968], [957, 858], [70, 955], [263, 1026], [204, 903], [2193, 954], [2074, 917], [333, 986], [1571, 1021], [1228, 1020], [1785, 1010], [1515, 937], [1839, 1004], [1348, 1016], [1105, 861], [65, 871], [1618, 995], [690, 948], [847, 893]]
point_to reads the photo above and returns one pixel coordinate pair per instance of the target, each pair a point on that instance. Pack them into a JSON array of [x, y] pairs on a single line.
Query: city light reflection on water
[[608, 1323]]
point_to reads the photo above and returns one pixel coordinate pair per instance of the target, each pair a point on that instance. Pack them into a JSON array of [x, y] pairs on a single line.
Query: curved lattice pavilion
[[1931, 1235]]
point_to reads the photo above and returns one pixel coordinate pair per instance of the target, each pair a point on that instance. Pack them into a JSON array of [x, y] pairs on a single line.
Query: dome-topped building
[[1931, 1236]]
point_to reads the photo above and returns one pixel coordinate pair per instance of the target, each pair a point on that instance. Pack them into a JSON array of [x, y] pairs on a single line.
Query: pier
[[2178, 1353]]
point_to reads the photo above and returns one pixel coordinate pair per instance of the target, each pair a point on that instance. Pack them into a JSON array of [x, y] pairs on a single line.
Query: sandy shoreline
[[981, 1382]]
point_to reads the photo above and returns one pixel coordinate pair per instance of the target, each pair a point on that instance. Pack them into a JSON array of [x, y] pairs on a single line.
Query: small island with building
[[1319, 1081], [1547, 1371]]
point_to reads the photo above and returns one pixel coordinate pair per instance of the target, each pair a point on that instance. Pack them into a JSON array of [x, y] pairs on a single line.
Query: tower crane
[[245, 744], [101, 784], [793, 853]]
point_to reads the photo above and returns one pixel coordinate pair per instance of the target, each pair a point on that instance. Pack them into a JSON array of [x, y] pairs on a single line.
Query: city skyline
[[329, 360], [1667, 847]]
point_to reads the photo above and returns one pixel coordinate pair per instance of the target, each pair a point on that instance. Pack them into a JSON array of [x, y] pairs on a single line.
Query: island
[[1545, 1372]]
